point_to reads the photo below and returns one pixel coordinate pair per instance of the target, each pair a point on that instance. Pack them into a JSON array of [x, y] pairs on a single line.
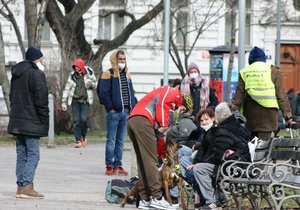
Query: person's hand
[[64, 106], [162, 129], [190, 167], [88, 83], [112, 110]]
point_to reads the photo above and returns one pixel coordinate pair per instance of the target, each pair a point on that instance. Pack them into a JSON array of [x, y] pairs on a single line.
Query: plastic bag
[[252, 147]]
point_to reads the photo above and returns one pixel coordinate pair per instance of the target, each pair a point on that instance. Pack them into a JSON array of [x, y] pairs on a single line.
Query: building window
[[247, 25], [179, 20], [45, 33], [110, 25]]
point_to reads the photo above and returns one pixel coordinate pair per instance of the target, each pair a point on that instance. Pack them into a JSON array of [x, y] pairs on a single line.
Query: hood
[[19, 69], [114, 62], [233, 125], [80, 64]]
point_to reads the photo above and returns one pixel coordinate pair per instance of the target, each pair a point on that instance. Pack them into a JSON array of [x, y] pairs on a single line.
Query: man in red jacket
[[148, 120]]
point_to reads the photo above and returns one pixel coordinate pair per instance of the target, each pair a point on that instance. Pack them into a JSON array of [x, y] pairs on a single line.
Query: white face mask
[[207, 127], [121, 65], [194, 75], [40, 66]]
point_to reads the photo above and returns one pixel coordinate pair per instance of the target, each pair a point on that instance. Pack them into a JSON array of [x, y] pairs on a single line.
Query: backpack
[[116, 189], [98, 85]]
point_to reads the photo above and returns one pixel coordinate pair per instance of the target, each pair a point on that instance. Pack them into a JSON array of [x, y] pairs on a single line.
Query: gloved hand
[[64, 106]]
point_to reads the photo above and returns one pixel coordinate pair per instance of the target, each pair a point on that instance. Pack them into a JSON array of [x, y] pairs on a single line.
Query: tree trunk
[[3, 76], [31, 20], [232, 50]]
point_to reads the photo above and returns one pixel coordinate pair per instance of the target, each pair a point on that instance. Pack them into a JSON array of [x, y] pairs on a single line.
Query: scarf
[[204, 90]]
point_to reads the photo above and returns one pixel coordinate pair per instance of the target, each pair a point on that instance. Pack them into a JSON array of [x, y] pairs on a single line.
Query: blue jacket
[[109, 88]]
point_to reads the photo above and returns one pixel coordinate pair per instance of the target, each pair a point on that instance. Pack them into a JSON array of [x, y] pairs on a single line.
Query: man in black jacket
[[29, 118]]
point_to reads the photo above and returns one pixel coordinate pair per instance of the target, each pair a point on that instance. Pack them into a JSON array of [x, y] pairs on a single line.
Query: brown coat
[[259, 118]]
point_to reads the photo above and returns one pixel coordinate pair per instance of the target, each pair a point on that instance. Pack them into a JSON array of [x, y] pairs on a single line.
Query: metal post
[[51, 143], [242, 22], [166, 40], [278, 25]]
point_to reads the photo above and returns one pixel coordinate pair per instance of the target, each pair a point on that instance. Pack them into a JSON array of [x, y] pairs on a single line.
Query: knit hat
[[256, 54], [222, 112], [192, 66], [33, 54], [187, 101]]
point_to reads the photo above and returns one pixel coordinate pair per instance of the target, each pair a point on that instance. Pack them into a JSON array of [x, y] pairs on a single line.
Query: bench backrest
[[283, 149]]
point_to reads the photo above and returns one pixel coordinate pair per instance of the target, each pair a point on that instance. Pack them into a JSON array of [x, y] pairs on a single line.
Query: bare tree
[[233, 13], [203, 15]]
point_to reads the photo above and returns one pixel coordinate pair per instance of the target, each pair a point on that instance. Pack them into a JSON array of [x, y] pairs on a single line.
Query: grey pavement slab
[[69, 178]]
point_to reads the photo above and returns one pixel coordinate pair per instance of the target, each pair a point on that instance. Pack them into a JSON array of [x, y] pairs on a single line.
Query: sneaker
[[120, 171], [144, 204], [161, 204], [30, 193], [18, 193], [78, 144], [109, 170], [175, 201], [211, 206], [84, 142]]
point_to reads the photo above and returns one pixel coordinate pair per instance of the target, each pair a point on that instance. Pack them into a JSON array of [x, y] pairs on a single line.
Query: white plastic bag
[[252, 146]]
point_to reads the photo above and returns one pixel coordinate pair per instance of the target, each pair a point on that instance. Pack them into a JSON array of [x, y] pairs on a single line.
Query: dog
[[170, 176]]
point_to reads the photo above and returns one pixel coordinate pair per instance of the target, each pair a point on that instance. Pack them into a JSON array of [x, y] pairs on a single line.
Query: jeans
[[185, 159], [80, 114], [116, 132], [28, 156]]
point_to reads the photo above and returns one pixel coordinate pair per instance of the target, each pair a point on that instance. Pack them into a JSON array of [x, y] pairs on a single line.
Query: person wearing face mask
[[229, 134], [200, 144], [78, 94], [197, 86], [28, 119], [116, 93]]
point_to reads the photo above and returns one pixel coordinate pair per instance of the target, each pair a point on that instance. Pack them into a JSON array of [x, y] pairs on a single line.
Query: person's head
[[256, 54], [78, 66], [206, 118], [176, 83], [193, 71], [222, 112], [121, 59], [291, 90], [34, 54], [187, 103]]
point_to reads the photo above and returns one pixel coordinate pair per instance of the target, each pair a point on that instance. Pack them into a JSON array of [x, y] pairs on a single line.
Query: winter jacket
[[181, 131], [259, 118], [230, 134], [109, 88], [29, 113], [157, 104], [70, 86]]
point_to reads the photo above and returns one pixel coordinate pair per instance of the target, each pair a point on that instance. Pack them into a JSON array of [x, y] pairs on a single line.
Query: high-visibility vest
[[259, 85]]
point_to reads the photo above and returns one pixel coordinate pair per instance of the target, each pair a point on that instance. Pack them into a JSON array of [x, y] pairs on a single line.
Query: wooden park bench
[[271, 181]]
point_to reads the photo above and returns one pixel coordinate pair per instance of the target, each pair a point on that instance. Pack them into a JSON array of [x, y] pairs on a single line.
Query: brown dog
[[170, 176]]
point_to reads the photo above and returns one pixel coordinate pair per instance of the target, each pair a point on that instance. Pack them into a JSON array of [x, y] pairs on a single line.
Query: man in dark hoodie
[[260, 94], [28, 118]]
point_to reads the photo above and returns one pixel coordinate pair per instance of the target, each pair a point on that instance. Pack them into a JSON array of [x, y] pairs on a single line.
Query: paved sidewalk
[[69, 178]]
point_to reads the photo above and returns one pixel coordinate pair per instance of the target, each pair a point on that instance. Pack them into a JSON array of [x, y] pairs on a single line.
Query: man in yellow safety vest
[[260, 94]]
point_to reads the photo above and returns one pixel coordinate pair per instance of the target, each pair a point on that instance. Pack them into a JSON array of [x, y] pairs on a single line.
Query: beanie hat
[[33, 54], [187, 101], [222, 112], [192, 66], [256, 54], [80, 64]]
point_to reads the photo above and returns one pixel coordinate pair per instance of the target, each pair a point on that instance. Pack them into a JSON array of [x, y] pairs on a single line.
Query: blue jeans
[[185, 159], [28, 156], [80, 114], [116, 123]]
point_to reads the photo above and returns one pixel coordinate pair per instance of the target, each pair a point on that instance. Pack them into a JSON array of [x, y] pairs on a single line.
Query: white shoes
[[161, 204]]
